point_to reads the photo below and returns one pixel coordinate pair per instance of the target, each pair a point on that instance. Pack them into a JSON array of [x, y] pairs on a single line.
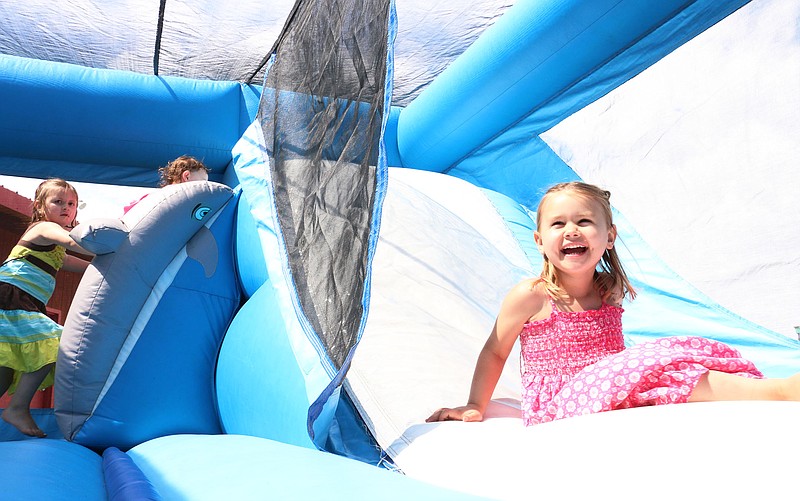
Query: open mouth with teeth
[[574, 250]]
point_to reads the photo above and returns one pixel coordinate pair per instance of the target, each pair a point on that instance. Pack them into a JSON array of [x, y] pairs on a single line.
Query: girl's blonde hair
[[611, 276], [44, 190], [171, 173]]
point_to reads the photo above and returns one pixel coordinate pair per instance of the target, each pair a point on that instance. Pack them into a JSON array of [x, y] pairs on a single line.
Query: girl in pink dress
[[569, 322]]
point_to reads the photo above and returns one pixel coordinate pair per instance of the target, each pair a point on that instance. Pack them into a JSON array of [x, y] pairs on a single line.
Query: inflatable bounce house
[[282, 330]]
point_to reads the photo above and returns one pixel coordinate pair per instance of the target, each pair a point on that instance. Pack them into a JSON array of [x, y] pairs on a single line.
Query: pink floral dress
[[576, 363]]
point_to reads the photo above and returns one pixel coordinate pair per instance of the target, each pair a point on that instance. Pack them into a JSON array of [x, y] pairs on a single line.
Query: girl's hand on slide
[[465, 413]]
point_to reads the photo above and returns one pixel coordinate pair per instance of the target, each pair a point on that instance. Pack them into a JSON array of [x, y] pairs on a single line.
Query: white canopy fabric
[[214, 40]]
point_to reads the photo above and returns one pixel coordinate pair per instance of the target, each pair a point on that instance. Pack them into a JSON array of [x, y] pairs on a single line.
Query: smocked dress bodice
[[567, 341]]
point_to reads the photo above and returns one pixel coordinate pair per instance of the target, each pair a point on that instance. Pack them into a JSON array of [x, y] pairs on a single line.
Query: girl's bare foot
[[23, 421]]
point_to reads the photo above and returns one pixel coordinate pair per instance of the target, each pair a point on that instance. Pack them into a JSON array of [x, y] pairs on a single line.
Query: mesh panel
[[321, 116]]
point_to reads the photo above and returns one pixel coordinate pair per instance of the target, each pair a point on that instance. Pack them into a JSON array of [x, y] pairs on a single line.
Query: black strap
[[159, 31]]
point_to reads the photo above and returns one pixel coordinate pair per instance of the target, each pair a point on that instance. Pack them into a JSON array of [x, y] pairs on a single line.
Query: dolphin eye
[[200, 211]]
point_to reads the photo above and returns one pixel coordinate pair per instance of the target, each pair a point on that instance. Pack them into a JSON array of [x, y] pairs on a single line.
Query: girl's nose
[[572, 230]]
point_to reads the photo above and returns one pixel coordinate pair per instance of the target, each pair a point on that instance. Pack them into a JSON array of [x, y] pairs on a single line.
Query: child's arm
[[46, 233], [523, 302], [75, 264]]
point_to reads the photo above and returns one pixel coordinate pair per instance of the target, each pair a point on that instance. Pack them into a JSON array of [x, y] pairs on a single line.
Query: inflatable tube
[[517, 153], [50, 469], [525, 59], [134, 124], [124, 480], [202, 467], [141, 339], [257, 339], [250, 266]]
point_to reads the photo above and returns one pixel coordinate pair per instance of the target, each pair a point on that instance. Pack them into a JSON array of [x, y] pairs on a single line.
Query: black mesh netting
[[321, 113]]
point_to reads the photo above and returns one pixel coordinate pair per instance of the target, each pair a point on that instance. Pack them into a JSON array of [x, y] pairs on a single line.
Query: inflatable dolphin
[[148, 318]]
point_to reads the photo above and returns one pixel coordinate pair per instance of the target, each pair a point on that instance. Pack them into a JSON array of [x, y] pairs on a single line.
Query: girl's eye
[[557, 224], [585, 221]]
